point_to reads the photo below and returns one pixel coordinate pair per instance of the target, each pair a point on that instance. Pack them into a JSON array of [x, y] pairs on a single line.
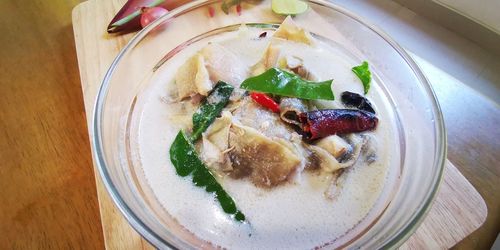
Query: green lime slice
[[288, 7]]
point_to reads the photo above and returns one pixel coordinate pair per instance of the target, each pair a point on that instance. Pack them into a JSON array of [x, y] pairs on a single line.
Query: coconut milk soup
[[298, 184]]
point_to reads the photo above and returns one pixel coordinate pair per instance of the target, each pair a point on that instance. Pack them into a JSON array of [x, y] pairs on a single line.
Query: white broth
[[296, 215]]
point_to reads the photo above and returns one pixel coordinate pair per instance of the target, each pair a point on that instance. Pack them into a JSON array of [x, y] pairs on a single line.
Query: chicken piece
[[215, 143], [296, 65], [335, 145], [274, 57], [224, 65], [269, 59], [192, 78], [290, 62], [289, 30], [202, 79], [212, 64], [268, 163], [185, 78], [262, 119]]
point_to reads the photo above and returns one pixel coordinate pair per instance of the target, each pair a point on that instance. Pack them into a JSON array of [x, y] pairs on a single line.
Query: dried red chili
[[321, 123], [358, 101]]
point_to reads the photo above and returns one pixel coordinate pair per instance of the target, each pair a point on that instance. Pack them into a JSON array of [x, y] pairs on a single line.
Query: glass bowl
[[422, 137]]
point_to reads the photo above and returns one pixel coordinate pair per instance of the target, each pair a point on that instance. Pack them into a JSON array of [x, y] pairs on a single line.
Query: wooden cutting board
[[457, 211]]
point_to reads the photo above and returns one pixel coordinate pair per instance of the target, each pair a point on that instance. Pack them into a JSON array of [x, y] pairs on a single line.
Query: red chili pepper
[[211, 11], [238, 9], [265, 101]]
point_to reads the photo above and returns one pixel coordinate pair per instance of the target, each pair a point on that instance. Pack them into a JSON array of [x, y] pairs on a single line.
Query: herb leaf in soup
[[186, 162], [364, 74], [280, 82], [210, 108]]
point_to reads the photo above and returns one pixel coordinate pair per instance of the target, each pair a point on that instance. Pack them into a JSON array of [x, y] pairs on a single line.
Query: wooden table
[[46, 178]]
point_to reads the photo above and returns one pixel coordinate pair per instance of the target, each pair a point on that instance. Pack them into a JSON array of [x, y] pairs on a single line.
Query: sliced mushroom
[[335, 145], [369, 148], [290, 108], [336, 184], [215, 143], [319, 158], [364, 145], [289, 30], [268, 163], [356, 143], [224, 65]]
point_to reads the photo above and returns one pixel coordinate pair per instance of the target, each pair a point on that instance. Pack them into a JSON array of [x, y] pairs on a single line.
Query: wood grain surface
[[458, 205], [47, 184], [47, 188], [472, 123]]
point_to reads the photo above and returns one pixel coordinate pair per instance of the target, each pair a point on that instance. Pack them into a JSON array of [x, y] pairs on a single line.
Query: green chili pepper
[[186, 162], [364, 75], [210, 108], [279, 82]]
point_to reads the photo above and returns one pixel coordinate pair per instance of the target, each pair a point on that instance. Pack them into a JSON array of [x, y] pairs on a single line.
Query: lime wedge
[[288, 7]]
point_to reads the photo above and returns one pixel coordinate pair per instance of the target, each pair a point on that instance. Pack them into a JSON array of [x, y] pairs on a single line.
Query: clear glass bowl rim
[[152, 237]]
